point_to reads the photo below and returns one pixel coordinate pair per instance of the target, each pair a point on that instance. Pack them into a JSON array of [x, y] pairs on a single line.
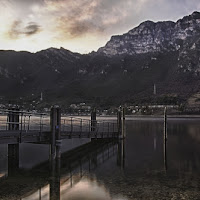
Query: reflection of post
[[165, 139], [55, 178], [165, 155], [93, 161], [121, 154], [13, 159]]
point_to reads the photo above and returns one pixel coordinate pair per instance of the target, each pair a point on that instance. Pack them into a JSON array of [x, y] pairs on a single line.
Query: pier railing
[[25, 126], [14, 119], [82, 126]]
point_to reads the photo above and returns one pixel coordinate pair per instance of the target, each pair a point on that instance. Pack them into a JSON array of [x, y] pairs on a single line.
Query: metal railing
[[82, 126], [24, 121]]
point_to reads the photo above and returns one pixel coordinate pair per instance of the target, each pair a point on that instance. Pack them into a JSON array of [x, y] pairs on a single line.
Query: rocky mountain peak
[[152, 36]]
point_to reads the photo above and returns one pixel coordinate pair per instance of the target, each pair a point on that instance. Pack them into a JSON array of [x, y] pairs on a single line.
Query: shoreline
[[141, 117]]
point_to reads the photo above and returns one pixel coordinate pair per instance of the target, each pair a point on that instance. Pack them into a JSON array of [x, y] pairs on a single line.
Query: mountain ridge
[[156, 36], [124, 70]]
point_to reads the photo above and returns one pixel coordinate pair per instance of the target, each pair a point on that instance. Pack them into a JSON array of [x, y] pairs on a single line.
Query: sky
[[79, 25]]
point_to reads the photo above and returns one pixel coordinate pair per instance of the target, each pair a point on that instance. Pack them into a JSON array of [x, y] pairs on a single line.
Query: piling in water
[[165, 123], [123, 123], [165, 139], [93, 120], [55, 120], [119, 122]]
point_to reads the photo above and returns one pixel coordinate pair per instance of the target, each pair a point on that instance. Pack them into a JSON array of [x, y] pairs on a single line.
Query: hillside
[[166, 54]]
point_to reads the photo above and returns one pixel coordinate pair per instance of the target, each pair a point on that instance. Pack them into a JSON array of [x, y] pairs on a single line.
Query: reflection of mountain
[[88, 189]]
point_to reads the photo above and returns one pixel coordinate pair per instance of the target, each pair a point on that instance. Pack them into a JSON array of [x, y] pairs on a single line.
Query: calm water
[[133, 169]]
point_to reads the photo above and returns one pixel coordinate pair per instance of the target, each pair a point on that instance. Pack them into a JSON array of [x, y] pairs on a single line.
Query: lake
[[136, 168]]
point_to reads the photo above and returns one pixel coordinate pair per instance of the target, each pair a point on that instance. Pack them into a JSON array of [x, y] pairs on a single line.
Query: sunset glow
[[81, 25]]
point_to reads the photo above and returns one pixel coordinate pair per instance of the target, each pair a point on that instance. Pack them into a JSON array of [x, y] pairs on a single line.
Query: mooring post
[[165, 139], [93, 120], [119, 123], [123, 123], [53, 123], [165, 123], [16, 119], [10, 120], [13, 149], [58, 133], [55, 153]]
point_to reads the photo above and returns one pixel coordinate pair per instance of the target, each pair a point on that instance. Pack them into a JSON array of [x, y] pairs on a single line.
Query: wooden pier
[[27, 127], [17, 126]]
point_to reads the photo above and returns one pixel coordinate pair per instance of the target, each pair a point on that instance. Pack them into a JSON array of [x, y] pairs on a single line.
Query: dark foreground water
[[134, 169]]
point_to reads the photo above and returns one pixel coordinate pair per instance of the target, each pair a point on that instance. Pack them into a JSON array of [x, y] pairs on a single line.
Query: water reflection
[[85, 189], [141, 167], [165, 153], [88, 189], [72, 172]]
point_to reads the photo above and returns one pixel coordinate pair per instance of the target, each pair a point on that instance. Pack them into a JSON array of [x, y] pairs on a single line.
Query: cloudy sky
[[79, 25]]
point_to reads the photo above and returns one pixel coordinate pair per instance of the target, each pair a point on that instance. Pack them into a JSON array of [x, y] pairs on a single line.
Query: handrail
[[22, 111], [29, 121]]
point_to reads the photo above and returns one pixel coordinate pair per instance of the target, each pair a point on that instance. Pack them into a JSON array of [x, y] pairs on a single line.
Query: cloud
[[76, 18], [18, 29], [87, 24], [31, 28]]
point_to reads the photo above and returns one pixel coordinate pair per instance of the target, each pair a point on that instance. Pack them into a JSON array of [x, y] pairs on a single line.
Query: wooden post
[[93, 120], [165, 139], [119, 123], [165, 123], [16, 119], [13, 149], [123, 123], [53, 122], [58, 133], [10, 120], [81, 124]]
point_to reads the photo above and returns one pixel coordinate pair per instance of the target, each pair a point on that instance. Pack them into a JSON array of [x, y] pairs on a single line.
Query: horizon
[[42, 24]]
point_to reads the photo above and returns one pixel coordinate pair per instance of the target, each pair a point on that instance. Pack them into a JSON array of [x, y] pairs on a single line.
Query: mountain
[[123, 71], [149, 37], [154, 37]]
